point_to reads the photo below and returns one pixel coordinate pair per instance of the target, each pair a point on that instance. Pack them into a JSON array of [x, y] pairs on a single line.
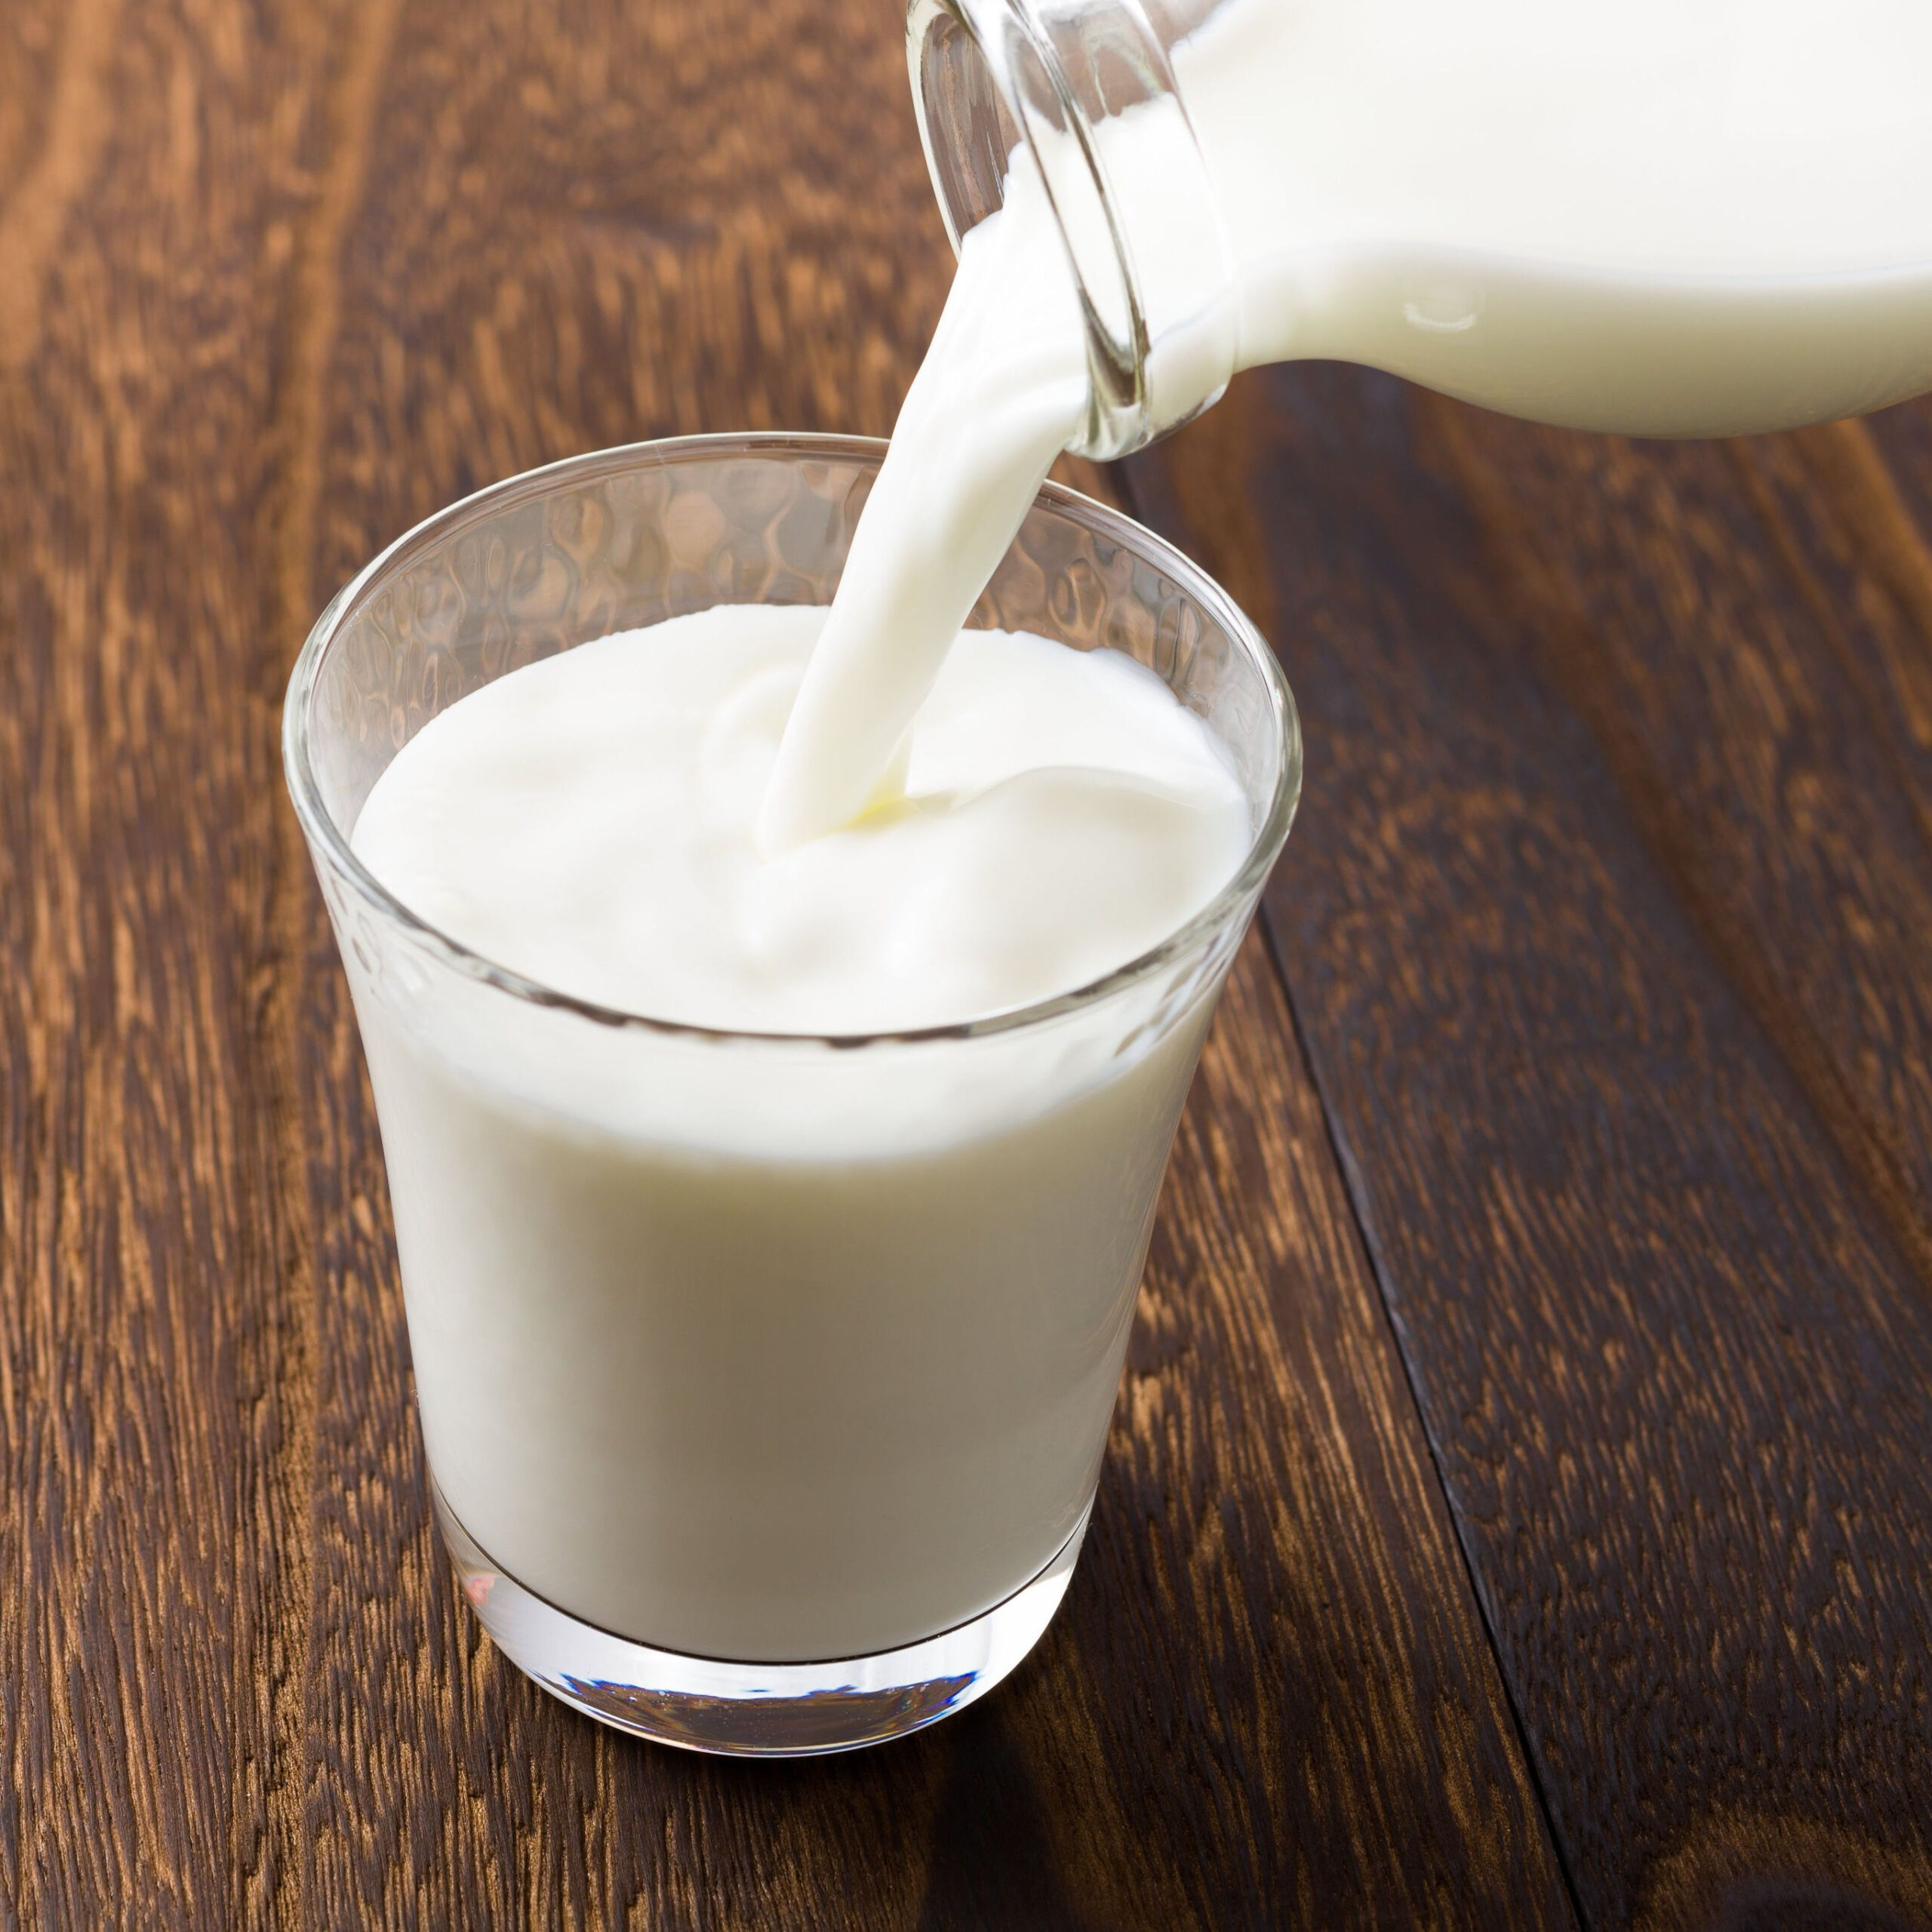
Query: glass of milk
[[763, 1378]]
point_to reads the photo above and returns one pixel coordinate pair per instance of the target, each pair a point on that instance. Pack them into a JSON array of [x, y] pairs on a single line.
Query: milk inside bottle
[[1658, 216]]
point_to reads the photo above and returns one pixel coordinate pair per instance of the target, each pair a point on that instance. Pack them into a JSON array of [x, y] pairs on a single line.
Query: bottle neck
[[1086, 85]]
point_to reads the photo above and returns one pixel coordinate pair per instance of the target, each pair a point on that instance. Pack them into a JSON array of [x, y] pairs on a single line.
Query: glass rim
[[330, 842]]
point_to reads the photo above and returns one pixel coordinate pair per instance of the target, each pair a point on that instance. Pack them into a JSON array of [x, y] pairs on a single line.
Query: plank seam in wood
[[1345, 1165], [287, 1381], [1122, 481], [1843, 456]]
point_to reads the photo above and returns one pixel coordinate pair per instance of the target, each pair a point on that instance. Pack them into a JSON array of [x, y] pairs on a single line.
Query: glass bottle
[[1556, 325]]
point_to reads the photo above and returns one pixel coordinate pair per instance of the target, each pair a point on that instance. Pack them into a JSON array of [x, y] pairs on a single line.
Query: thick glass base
[[754, 1710]]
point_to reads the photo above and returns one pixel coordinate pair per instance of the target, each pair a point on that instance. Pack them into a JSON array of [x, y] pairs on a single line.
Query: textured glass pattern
[[551, 560]]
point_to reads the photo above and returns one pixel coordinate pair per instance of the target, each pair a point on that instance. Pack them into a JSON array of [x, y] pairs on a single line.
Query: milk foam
[[588, 821]]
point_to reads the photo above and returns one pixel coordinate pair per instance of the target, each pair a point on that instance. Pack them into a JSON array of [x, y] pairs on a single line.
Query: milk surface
[[588, 821], [1667, 218]]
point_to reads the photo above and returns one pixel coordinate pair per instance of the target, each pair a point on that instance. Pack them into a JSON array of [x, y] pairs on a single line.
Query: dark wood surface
[[1517, 1510], [1605, 931]]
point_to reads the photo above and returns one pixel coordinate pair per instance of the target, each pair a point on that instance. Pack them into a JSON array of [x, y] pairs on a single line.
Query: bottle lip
[[986, 74]]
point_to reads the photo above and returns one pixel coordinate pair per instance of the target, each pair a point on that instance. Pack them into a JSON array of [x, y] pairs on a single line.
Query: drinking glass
[[764, 1379]]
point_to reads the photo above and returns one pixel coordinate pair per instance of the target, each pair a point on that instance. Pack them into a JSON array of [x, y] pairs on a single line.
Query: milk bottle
[[1668, 217]]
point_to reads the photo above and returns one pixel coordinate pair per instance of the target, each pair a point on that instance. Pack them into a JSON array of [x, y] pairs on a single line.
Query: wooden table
[[1519, 1508]]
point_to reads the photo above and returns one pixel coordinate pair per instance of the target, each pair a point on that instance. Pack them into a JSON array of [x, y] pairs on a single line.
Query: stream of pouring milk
[[1666, 217]]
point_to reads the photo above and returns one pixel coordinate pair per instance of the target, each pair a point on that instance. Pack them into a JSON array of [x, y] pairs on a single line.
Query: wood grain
[[1606, 932], [278, 279]]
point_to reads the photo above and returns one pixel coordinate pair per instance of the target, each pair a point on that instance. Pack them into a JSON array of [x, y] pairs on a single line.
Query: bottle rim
[[976, 65]]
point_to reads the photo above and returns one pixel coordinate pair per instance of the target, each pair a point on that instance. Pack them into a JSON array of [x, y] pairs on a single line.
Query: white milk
[[1664, 216], [1661, 217], [780, 1349], [587, 822]]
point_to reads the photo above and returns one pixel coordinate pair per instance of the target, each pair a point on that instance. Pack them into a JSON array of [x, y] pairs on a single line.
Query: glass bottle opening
[[1071, 79]]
